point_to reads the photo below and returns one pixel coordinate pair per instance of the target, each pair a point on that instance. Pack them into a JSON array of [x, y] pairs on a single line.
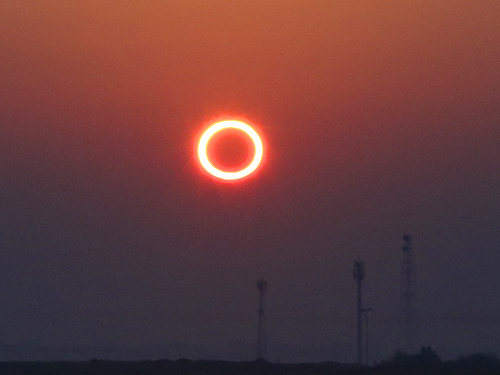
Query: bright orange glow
[[231, 176]]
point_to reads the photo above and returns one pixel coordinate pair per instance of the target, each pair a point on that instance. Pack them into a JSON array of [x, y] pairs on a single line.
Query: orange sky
[[296, 53]]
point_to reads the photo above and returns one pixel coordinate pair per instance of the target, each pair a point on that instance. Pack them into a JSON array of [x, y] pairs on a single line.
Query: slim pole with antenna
[[261, 335], [359, 275]]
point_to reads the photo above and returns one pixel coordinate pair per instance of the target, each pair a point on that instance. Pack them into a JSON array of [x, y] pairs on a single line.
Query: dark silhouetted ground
[[426, 362]]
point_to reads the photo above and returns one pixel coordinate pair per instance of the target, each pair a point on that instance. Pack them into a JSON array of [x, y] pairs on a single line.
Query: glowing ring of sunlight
[[205, 138]]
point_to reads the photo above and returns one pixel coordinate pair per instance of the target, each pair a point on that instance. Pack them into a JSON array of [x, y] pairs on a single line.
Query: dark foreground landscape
[[425, 363]]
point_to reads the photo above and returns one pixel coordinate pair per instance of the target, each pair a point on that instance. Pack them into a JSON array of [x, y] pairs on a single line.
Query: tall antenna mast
[[261, 335], [359, 275], [407, 323], [367, 339]]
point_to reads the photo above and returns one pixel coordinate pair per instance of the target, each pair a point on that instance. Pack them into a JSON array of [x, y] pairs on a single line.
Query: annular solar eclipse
[[250, 166]]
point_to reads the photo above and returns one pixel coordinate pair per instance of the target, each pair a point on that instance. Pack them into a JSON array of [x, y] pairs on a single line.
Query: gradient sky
[[382, 118]]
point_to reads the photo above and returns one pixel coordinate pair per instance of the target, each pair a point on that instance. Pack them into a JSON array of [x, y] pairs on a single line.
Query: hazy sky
[[381, 118]]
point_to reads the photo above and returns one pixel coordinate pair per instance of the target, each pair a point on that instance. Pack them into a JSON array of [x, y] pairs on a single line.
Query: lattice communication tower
[[407, 318]]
